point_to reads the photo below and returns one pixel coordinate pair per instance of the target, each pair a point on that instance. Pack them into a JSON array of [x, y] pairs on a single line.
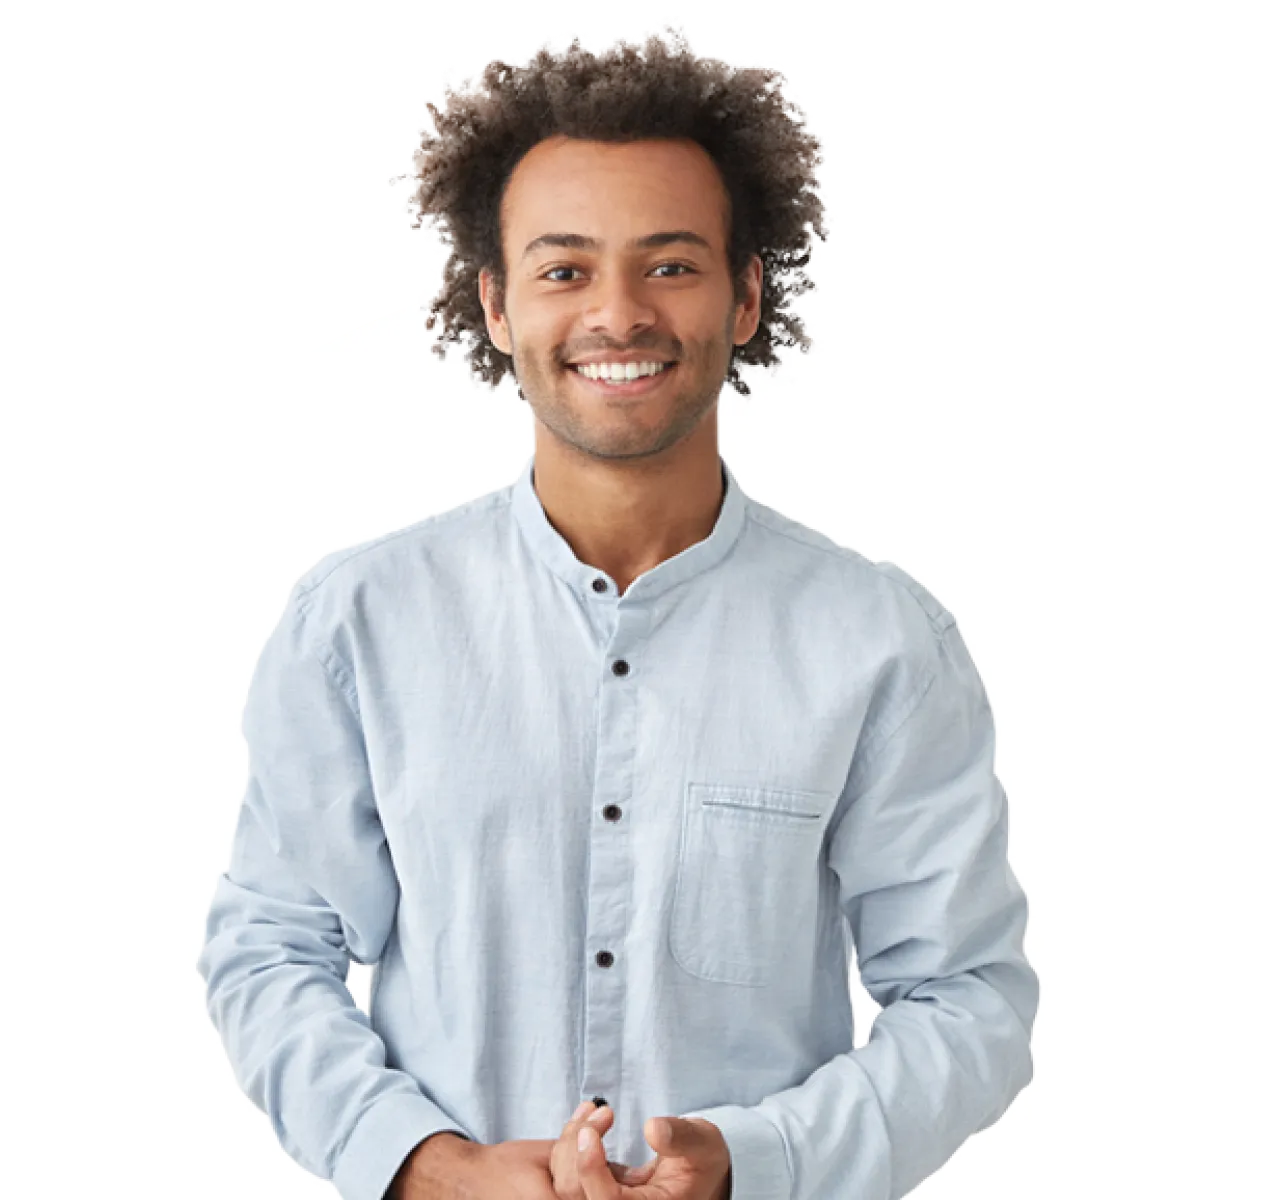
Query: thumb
[[676, 1136]]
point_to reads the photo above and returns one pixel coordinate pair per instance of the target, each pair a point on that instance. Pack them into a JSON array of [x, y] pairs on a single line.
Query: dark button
[[612, 812], [599, 1101], [599, 585], [604, 959], [620, 666]]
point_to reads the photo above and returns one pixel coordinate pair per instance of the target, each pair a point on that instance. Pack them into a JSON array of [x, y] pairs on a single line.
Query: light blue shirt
[[604, 845]]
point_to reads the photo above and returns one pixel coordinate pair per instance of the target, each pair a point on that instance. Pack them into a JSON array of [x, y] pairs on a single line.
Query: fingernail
[[597, 1117], [578, 1112], [585, 1138]]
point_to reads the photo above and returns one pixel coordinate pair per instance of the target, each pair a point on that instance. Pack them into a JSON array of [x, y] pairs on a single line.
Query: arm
[[310, 886], [920, 852], [430, 1170]]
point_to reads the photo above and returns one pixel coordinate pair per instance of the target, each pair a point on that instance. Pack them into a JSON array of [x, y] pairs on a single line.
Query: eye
[[684, 267]]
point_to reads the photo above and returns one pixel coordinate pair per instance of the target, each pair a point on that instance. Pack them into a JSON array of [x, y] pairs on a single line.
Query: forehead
[[613, 190]]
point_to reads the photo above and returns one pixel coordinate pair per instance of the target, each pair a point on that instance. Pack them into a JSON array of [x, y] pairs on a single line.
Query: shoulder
[[351, 582], [867, 586]]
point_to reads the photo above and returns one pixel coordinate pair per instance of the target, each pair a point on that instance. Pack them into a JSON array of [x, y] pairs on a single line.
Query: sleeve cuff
[[381, 1141], [757, 1152]]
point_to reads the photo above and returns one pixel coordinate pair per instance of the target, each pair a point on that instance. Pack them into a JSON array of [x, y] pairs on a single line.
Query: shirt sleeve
[[920, 854], [310, 886]]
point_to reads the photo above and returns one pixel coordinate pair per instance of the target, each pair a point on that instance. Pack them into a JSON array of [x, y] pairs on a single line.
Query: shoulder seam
[[761, 518], [491, 500], [939, 624], [941, 621]]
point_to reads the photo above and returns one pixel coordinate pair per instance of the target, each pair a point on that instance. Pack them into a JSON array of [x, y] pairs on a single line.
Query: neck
[[625, 516]]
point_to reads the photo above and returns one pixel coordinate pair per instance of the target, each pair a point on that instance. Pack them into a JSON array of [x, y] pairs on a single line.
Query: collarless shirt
[[621, 847]]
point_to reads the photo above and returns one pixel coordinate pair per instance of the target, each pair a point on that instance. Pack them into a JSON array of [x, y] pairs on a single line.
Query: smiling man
[[625, 319], [609, 771]]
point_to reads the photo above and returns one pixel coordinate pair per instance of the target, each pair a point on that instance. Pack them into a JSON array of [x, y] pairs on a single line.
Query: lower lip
[[629, 387]]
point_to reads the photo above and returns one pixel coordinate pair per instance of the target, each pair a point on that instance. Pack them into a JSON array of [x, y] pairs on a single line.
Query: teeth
[[620, 371]]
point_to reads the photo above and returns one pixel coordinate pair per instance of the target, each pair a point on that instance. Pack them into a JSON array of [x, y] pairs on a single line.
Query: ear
[[496, 322], [747, 313]]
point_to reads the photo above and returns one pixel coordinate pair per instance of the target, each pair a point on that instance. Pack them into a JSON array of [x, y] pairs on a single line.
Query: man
[[599, 769]]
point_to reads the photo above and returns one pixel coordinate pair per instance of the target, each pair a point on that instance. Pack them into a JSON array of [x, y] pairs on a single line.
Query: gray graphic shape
[[17, 658]]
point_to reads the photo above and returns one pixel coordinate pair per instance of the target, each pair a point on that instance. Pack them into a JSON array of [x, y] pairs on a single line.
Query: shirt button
[[599, 585], [612, 812], [604, 959], [620, 666]]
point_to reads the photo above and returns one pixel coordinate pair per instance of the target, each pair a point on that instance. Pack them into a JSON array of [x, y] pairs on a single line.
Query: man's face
[[671, 302]]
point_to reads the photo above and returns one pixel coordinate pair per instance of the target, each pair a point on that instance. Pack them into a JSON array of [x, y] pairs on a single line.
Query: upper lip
[[636, 356]]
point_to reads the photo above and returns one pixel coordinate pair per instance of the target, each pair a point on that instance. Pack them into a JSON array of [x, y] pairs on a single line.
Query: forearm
[[275, 963], [874, 1122], [433, 1170]]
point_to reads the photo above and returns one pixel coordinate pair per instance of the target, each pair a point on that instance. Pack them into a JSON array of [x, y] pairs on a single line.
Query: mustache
[[589, 351]]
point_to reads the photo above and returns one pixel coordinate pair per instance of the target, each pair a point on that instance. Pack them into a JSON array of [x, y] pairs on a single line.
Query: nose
[[617, 306]]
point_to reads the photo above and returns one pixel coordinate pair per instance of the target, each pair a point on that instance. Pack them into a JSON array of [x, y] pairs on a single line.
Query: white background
[[1081, 480]]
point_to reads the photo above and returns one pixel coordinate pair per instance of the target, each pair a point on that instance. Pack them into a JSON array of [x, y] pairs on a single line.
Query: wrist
[[430, 1167]]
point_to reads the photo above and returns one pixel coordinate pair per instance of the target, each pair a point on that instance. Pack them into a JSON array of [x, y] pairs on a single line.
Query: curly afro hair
[[765, 159]]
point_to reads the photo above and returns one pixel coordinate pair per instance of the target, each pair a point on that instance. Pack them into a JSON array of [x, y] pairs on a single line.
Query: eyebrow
[[578, 241]]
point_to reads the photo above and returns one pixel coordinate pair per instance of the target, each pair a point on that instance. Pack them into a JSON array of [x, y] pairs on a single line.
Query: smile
[[624, 387]]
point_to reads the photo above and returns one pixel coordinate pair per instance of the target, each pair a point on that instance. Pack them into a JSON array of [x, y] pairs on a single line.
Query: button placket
[[604, 958], [610, 866]]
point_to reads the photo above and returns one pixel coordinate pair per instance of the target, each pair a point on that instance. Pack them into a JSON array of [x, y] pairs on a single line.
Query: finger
[[602, 1119], [563, 1165], [634, 1176], [594, 1173], [577, 1115], [601, 1116]]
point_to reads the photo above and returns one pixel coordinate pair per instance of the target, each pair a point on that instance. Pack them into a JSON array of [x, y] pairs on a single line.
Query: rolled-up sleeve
[[918, 844], [310, 886]]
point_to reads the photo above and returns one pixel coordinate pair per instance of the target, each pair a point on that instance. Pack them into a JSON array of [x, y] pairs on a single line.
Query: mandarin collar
[[556, 553]]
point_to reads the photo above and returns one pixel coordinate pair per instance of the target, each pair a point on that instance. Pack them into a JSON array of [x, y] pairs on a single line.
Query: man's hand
[[693, 1162], [565, 1152]]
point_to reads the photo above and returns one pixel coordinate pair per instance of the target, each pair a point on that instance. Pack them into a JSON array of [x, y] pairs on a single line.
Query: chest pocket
[[746, 879]]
